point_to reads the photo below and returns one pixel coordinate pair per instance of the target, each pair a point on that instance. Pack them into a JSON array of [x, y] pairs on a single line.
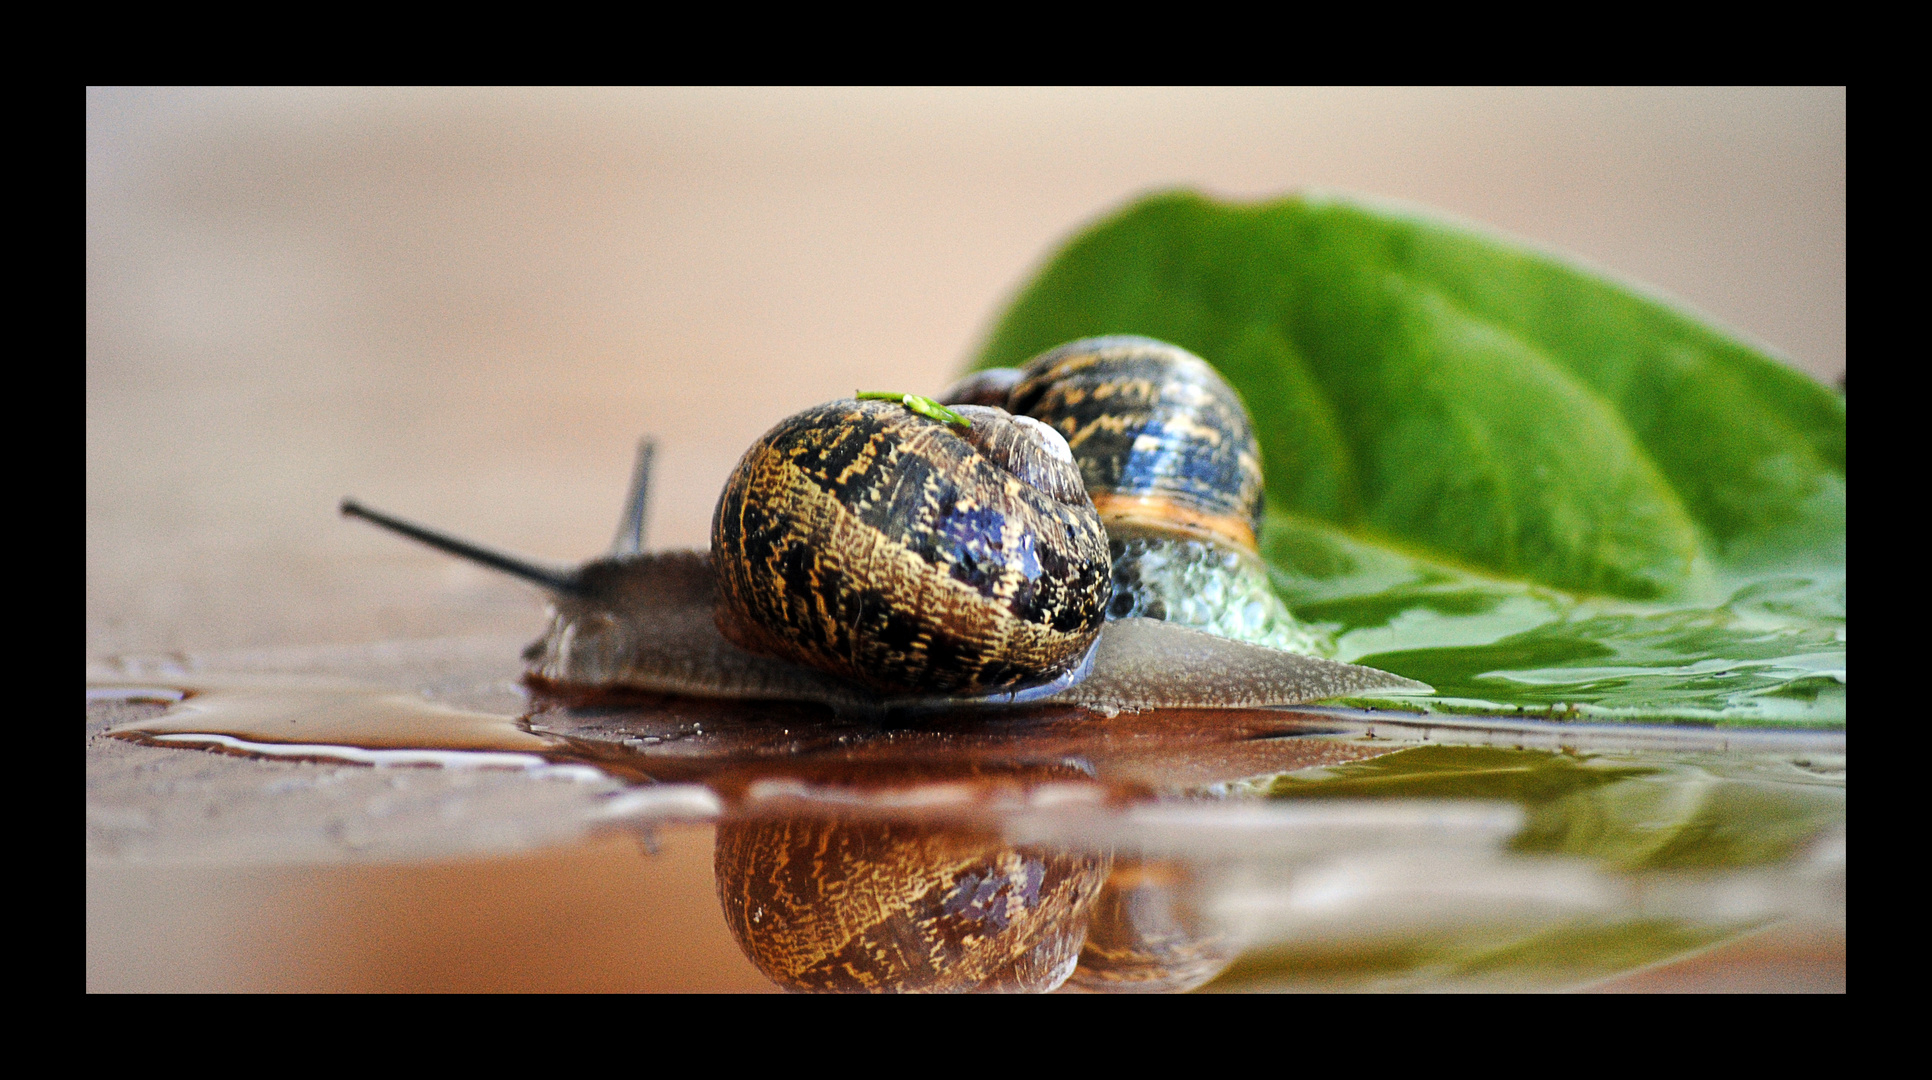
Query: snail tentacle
[[630, 525], [555, 579]]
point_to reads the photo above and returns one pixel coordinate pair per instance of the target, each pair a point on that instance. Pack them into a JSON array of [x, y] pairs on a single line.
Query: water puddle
[[740, 750], [1054, 848], [292, 712]]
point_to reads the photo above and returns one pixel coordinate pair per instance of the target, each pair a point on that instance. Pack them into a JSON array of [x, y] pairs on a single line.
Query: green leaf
[[1463, 396], [1773, 653], [1491, 469]]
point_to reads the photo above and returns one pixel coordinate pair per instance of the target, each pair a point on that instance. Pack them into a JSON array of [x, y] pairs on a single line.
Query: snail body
[[1080, 530]]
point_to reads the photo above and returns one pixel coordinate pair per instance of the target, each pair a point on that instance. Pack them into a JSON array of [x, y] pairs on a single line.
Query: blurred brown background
[[465, 306]]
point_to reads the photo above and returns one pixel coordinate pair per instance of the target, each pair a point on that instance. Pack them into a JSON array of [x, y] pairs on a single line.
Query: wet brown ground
[[467, 307], [602, 915]]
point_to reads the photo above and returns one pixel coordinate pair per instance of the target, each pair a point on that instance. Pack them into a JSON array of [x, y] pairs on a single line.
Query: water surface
[[355, 821]]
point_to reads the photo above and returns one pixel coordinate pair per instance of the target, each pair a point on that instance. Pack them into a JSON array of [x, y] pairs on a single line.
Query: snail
[[855, 876], [828, 906], [821, 900], [1168, 453], [891, 551]]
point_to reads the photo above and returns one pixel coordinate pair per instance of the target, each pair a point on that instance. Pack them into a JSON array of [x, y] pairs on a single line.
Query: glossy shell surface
[[887, 548], [1162, 441], [1167, 452]]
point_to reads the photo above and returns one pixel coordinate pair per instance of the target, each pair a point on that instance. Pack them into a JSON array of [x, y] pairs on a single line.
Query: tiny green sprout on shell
[[924, 406]]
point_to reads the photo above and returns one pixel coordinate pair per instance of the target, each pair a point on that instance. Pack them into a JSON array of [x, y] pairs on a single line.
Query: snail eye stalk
[[555, 579], [924, 406], [630, 527]]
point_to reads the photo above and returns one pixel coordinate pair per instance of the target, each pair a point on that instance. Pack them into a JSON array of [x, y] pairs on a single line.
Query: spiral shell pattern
[[829, 906], [1161, 439], [893, 550], [1168, 453]]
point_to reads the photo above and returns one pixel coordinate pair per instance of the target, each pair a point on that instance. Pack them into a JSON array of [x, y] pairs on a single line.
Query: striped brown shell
[[907, 556], [892, 907], [1161, 439], [1168, 453], [1144, 935]]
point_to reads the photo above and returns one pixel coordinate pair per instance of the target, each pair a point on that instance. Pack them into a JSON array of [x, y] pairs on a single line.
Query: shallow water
[[349, 834]]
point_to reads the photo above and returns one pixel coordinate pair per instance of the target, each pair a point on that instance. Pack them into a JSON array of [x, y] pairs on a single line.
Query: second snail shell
[[1166, 450]]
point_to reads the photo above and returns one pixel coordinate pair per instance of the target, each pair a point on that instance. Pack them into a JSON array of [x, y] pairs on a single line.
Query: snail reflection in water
[[827, 903], [1058, 536], [878, 906]]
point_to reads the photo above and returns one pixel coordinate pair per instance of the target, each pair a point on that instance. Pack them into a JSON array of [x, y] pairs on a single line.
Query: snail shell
[[1145, 936], [833, 880], [891, 550], [1168, 453], [1162, 441], [870, 906]]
